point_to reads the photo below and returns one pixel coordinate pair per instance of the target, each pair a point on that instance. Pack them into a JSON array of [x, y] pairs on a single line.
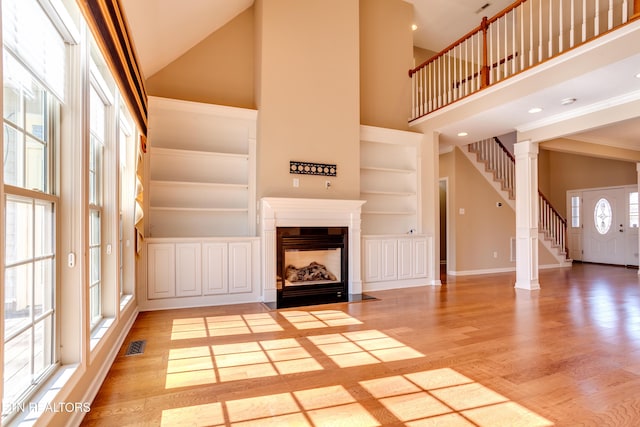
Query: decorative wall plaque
[[306, 168]]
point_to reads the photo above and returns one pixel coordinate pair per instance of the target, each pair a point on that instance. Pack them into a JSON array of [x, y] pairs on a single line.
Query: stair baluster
[[501, 163]]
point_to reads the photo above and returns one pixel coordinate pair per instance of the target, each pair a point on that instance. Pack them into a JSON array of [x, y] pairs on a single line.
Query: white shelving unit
[[201, 169], [389, 180]]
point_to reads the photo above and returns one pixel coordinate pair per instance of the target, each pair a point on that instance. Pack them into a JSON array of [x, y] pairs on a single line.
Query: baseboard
[[200, 301], [481, 271], [394, 284], [502, 270]]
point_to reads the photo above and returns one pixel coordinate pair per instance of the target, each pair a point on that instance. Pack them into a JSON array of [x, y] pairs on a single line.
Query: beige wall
[[484, 228], [386, 56], [218, 70], [559, 172], [316, 70], [420, 55], [446, 169], [308, 95]]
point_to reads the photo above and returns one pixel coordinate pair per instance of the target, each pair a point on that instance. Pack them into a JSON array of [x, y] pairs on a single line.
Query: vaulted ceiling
[[163, 30]]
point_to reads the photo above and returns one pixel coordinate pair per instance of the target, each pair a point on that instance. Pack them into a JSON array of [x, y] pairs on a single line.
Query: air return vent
[[483, 7], [136, 347]]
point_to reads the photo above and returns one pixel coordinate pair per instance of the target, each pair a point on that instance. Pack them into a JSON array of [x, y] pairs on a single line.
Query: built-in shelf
[[389, 180], [392, 170], [389, 213], [201, 170], [199, 184], [388, 193], [190, 153], [186, 209]]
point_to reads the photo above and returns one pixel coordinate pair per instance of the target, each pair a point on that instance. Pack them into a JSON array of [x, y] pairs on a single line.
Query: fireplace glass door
[[312, 265]]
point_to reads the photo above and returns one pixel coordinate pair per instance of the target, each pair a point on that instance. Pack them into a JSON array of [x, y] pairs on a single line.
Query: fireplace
[[312, 265], [328, 229]]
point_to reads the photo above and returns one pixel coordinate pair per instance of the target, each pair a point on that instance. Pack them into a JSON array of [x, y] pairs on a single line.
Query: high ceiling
[[440, 22], [162, 30]]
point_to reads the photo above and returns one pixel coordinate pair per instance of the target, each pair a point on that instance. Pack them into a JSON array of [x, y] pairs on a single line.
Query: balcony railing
[[523, 35]]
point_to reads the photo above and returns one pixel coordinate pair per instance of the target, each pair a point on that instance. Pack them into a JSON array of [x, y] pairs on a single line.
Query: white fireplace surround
[[291, 212]]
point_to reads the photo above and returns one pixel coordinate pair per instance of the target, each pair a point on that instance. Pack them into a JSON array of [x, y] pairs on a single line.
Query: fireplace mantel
[[293, 212]]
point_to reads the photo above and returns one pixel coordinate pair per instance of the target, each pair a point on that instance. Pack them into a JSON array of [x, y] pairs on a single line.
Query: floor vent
[[136, 347]]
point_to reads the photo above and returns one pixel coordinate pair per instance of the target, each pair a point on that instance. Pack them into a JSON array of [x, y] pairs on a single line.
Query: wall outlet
[[495, 254], [327, 184], [296, 182]]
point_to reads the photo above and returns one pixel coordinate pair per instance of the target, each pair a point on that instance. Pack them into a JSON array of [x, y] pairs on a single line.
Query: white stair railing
[[501, 163], [523, 35]]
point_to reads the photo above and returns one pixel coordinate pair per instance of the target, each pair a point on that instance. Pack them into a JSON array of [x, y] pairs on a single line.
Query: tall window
[[633, 209], [95, 170], [33, 53], [575, 211], [125, 193]]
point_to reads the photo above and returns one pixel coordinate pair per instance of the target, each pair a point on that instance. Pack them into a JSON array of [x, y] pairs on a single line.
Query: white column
[[429, 157], [268, 258], [638, 180], [526, 154]]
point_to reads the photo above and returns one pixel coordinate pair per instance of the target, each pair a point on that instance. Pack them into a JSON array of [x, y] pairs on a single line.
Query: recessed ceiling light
[[463, 134], [535, 110], [568, 101], [414, 27], [638, 76]]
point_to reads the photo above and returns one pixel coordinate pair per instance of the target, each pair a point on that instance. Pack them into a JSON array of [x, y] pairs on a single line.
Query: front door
[[604, 226]]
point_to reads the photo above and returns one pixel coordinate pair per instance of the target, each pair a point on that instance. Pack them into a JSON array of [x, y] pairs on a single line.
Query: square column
[[638, 173], [526, 154], [429, 158]]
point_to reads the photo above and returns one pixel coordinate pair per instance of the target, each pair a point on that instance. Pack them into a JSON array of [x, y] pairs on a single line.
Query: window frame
[[98, 147], [46, 196]]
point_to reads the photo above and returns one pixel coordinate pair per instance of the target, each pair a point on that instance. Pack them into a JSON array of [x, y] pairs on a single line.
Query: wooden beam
[[109, 27]]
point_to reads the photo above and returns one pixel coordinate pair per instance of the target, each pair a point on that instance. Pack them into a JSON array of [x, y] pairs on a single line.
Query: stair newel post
[[484, 81]]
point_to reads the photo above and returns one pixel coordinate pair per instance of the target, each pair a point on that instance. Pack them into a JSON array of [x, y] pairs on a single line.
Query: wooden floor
[[474, 352]]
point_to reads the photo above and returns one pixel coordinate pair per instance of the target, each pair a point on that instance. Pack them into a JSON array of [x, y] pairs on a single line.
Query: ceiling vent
[[483, 7]]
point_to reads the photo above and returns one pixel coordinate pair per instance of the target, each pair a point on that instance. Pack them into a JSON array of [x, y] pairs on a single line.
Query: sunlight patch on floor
[[219, 326], [188, 328], [444, 395], [362, 348], [189, 367], [426, 398], [319, 319], [325, 406]]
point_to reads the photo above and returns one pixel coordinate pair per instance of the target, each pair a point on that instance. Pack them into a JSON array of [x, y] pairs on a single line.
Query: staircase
[[498, 165]]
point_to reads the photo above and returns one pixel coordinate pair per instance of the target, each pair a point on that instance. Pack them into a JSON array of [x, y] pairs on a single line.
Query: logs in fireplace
[[312, 265]]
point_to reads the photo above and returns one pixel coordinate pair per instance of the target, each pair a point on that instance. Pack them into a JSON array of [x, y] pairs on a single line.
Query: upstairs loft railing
[[523, 35], [499, 161]]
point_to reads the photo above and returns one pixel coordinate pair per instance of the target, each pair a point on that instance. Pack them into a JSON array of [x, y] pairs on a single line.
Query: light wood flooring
[[474, 352]]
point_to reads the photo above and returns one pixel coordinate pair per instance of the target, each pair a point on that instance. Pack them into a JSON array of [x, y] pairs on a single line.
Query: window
[[633, 210], [95, 170], [67, 204], [575, 211], [125, 196], [602, 216], [29, 121]]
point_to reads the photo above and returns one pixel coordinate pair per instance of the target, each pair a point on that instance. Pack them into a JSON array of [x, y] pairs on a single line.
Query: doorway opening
[[444, 228]]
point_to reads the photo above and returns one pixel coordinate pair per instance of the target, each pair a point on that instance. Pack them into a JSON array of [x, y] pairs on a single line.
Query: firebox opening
[[312, 265]]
